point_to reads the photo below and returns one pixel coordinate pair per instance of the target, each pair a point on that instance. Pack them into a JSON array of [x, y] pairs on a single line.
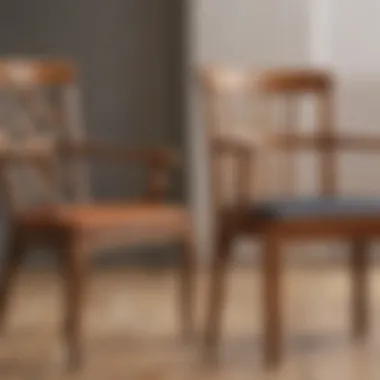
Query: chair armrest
[[161, 161], [243, 148], [322, 142], [237, 142], [119, 152], [33, 150]]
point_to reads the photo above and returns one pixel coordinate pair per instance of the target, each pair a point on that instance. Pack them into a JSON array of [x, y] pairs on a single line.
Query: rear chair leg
[[12, 264], [272, 303], [216, 298], [187, 287], [359, 273]]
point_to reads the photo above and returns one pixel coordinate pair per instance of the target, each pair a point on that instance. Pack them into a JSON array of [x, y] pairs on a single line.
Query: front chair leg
[[75, 260], [187, 287], [272, 303], [15, 253], [359, 272], [217, 294]]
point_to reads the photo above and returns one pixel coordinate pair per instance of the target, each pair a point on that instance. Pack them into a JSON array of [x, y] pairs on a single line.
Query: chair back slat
[[77, 169], [229, 110], [37, 111], [290, 128], [328, 178]]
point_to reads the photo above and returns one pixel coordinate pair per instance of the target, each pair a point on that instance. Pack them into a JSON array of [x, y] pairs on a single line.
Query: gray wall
[[132, 60]]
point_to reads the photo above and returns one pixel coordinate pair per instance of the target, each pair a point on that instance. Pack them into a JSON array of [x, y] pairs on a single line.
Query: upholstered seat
[[293, 208]]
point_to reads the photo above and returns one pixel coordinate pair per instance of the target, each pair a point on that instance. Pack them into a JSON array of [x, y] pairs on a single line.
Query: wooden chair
[[43, 171], [276, 219]]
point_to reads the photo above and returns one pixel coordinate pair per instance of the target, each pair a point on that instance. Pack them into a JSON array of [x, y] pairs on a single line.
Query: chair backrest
[[263, 108], [39, 110]]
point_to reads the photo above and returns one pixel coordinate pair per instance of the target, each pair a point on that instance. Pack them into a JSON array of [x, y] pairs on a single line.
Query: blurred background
[[132, 56], [138, 62], [139, 57]]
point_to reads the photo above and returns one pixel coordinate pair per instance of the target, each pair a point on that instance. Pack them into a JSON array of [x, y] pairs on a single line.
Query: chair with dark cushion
[[231, 98]]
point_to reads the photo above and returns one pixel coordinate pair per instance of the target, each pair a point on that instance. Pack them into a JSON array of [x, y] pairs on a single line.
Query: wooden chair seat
[[89, 216], [112, 225]]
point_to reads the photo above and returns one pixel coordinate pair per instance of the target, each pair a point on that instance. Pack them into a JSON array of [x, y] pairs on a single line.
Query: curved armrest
[[160, 161], [121, 153], [238, 142], [242, 147], [33, 150], [323, 142]]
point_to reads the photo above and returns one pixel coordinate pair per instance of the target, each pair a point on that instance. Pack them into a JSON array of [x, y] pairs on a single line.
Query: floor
[[131, 329]]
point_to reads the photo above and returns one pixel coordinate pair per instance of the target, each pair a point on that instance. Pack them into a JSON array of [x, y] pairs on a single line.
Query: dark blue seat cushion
[[316, 207]]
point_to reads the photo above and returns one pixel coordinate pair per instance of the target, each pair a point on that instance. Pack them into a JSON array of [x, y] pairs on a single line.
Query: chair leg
[[272, 303], [14, 256], [359, 271], [75, 260], [187, 287], [217, 295]]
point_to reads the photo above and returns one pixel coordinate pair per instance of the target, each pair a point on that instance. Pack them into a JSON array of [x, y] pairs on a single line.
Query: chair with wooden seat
[[229, 96], [43, 172]]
